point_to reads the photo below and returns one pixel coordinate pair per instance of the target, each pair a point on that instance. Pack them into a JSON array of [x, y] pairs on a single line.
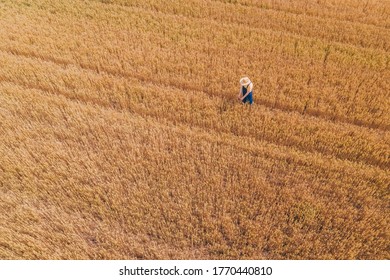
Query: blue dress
[[249, 97]]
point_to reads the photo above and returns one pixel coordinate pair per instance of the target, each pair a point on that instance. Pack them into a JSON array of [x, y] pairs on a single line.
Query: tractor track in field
[[120, 74], [141, 111]]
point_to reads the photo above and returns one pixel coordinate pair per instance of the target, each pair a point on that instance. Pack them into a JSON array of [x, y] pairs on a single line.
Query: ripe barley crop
[[120, 136]]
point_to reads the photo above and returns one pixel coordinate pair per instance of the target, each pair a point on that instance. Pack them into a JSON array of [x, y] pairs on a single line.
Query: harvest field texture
[[121, 136]]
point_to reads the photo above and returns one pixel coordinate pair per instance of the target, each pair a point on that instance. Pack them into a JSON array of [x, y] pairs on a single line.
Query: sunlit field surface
[[121, 136]]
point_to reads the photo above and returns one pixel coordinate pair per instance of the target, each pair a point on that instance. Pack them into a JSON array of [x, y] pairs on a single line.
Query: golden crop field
[[121, 136]]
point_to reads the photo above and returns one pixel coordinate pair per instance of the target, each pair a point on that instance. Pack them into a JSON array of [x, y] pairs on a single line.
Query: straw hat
[[245, 81]]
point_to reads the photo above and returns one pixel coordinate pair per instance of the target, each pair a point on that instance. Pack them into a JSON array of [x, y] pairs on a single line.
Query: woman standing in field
[[246, 91]]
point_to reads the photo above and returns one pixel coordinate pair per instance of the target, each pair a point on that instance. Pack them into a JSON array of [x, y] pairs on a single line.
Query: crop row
[[326, 29], [373, 12]]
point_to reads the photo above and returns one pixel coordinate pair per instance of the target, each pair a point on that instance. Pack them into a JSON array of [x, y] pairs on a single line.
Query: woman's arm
[[250, 87]]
